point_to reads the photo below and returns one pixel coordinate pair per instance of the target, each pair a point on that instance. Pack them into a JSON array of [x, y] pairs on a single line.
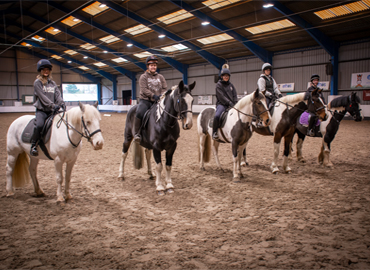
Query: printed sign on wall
[[204, 100], [322, 85], [286, 87], [360, 80]]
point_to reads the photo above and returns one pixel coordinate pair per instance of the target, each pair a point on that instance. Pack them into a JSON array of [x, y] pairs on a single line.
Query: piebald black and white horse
[[160, 131], [237, 129], [338, 108], [283, 121]]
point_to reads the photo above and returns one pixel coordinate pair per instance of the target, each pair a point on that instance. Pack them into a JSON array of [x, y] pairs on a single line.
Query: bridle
[[86, 133], [179, 114], [255, 117]]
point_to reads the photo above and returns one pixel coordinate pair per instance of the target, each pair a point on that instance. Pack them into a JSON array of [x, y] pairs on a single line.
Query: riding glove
[[56, 108], [280, 95], [156, 98]]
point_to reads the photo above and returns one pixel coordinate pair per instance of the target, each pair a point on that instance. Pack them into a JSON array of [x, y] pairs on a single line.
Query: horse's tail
[[206, 149], [21, 174], [137, 155]]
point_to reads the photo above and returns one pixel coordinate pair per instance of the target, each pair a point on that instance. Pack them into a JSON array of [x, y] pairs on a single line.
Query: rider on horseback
[[226, 97], [48, 100], [313, 117], [268, 84], [152, 86]]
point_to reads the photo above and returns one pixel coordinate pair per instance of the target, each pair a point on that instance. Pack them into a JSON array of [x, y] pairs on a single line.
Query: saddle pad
[[28, 131], [305, 118]]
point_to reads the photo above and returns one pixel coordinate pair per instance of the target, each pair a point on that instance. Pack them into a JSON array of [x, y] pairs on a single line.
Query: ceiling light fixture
[[129, 45], [161, 36], [55, 30], [102, 5], [85, 57], [268, 5], [205, 23], [75, 20], [69, 62], [105, 51]]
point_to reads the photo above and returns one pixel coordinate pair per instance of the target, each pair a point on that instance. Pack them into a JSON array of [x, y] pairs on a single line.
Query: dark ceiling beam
[[84, 39], [105, 74], [329, 45], [175, 64], [121, 70], [211, 58], [261, 53], [49, 24]]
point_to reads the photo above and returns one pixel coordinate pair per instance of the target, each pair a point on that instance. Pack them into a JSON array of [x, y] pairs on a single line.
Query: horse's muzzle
[[98, 144]]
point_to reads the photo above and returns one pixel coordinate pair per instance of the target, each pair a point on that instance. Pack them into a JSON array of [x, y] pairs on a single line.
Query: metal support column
[[335, 77], [99, 93], [16, 72]]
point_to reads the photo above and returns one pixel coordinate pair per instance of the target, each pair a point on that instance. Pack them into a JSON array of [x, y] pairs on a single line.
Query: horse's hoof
[[151, 177], [40, 195], [275, 171], [10, 194], [236, 179], [244, 164], [202, 169], [302, 160], [160, 192], [170, 190], [121, 178]]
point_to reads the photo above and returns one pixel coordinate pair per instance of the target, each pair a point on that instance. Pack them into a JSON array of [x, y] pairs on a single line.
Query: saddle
[[223, 119], [304, 120], [44, 136]]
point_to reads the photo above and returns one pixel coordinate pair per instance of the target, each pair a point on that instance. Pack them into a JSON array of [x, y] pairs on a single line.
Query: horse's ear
[[315, 92], [256, 93], [181, 86], [96, 104], [191, 87], [168, 92], [82, 107]]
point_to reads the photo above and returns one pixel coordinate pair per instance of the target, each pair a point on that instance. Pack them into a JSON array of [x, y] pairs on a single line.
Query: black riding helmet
[[151, 59], [44, 63], [315, 76], [225, 70]]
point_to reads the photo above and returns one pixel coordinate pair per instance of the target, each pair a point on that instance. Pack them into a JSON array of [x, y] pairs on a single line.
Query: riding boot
[[34, 142], [311, 126], [137, 127], [215, 128]]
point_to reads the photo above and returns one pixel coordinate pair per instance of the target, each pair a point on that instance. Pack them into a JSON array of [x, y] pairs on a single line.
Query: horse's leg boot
[[311, 125], [137, 127]]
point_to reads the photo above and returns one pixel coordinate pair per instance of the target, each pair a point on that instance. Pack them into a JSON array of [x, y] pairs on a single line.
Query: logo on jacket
[[154, 84], [50, 89]]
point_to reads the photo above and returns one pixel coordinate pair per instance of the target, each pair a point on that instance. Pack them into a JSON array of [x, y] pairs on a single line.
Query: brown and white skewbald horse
[[284, 119], [237, 129]]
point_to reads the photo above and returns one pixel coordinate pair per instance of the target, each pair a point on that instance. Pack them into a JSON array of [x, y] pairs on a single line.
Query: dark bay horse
[[160, 131], [284, 118], [237, 129], [338, 108]]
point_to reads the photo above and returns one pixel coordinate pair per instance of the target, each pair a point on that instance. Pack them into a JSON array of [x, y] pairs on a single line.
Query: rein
[[86, 133], [179, 113]]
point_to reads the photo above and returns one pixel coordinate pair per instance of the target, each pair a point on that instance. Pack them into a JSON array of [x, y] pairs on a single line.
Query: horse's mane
[[293, 99], [244, 101], [339, 102]]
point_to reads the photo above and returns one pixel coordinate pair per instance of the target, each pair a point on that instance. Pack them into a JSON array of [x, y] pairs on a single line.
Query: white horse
[[237, 129], [64, 146]]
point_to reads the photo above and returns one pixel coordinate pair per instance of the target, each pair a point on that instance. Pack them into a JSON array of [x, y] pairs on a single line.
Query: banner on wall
[[203, 100], [286, 87], [360, 80], [322, 85]]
